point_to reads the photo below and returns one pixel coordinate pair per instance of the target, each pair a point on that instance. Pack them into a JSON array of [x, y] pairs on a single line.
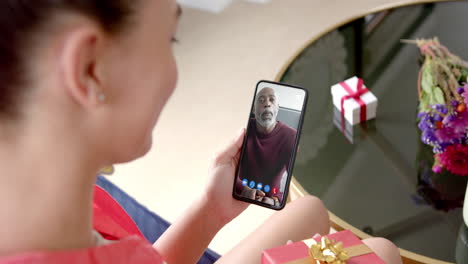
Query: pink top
[[112, 223]]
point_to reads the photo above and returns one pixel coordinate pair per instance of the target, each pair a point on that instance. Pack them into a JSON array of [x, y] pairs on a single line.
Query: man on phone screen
[[264, 168]]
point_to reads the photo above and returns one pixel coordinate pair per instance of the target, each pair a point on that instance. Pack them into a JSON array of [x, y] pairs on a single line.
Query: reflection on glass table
[[377, 178]]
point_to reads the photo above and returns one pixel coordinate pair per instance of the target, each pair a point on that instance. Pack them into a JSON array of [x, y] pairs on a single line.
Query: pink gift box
[[300, 250]]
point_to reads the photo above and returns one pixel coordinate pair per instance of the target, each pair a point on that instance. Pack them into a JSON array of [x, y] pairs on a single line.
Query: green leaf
[[464, 74], [431, 99], [438, 95], [424, 103], [427, 81]]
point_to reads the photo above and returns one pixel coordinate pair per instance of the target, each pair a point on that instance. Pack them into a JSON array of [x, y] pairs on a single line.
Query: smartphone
[[270, 144]]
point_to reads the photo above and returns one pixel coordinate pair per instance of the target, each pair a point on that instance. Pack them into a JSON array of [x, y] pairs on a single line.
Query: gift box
[[356, 103], [354, 134], [323, 250]]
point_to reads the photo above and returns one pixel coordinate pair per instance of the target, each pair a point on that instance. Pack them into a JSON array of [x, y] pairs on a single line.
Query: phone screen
[[269, 149]]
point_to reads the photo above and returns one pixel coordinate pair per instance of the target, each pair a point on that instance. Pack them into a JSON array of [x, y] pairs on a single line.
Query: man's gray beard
[[266, 123]]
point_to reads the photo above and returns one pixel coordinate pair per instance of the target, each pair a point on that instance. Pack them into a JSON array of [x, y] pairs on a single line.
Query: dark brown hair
[[21, 22]]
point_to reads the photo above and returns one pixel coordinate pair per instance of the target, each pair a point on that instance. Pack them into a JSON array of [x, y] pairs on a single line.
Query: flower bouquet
[[443, 99]]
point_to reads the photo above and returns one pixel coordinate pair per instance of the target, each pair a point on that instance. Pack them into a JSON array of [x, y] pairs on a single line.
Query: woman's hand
[[218, 194]]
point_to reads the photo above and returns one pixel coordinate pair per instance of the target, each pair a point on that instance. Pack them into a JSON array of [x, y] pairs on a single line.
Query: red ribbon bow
[[356, 95]]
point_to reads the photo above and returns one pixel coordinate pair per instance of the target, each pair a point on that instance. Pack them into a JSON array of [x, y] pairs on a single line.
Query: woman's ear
[[80, 54]]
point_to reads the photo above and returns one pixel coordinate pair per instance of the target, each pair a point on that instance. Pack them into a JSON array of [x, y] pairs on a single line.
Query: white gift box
[[352, 109]]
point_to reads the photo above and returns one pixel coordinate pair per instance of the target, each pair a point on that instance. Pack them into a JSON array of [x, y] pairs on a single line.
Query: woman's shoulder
[[129, 250]]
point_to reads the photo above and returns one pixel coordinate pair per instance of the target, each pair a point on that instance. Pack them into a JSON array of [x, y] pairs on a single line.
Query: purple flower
[[454, 103], [437, 169], [429, 137], [449, 118], [440, 108], [459, 122], [448, 134], [438, 149], [460, 90], [440, 130], [424, 126], [465, 95], [425, 122]]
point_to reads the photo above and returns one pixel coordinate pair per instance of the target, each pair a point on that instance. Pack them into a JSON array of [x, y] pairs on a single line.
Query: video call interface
[[271, 135]]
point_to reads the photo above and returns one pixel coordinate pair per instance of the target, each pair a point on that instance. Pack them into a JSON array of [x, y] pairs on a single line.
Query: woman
[[71, 71]]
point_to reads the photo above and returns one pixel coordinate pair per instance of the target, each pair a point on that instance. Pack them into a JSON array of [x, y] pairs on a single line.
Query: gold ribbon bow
[[328, 251]]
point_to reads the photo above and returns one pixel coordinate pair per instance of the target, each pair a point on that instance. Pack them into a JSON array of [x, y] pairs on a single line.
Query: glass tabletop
[[378, 178]]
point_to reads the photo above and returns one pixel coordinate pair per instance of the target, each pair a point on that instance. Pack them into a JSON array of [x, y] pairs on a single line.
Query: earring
[[101, 97]]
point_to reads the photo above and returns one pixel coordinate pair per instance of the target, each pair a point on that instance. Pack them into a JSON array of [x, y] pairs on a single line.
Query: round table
[[373, 179]]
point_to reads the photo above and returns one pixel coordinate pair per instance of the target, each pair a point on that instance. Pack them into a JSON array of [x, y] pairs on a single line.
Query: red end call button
[[275, 190]]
